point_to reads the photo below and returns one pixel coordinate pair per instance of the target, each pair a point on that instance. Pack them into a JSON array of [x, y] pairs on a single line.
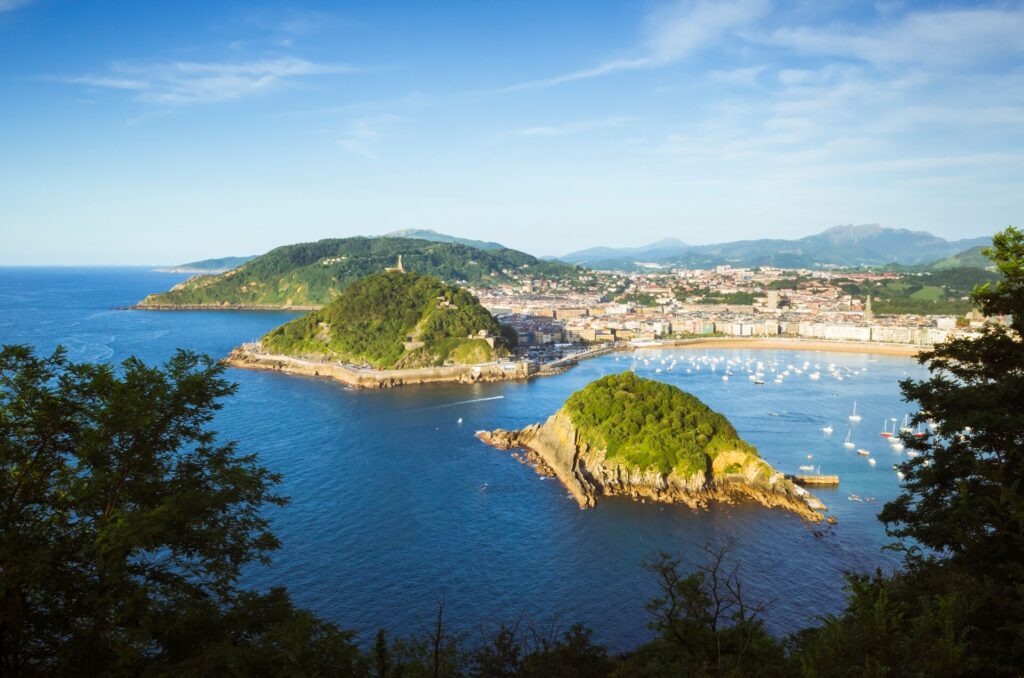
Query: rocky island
[[389, 329], [626, 435]]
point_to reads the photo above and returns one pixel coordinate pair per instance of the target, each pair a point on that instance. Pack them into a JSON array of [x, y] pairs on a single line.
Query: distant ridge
[[847, 245], [434, 236], [208, 265], [311, 274]]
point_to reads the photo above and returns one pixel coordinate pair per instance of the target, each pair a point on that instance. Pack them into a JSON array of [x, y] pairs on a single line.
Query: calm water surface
[[395, 505]]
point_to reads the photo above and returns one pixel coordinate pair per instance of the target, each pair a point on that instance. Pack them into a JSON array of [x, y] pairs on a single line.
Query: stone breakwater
[[251, 357], [555, 449]]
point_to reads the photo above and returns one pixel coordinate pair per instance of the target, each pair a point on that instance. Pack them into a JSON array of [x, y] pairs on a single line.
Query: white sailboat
[[827, 430], [855, 416], [848, 444]]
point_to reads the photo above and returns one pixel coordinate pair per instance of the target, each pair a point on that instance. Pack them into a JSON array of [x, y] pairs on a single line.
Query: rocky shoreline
[[555, 449], [251, 357]]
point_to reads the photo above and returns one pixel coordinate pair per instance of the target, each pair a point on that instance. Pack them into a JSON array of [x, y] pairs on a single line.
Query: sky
[[159, 133]]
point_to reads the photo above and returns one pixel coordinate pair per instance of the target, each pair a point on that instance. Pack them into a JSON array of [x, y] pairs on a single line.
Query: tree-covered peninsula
[[312, 274], [395, 320], [626, 435]]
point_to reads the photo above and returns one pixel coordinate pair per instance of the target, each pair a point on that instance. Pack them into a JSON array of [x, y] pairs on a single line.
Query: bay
[[396, 505]]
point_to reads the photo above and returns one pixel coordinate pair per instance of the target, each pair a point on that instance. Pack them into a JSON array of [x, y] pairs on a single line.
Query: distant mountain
[[314, 273], [656, 251], [434, 236], [209, 265], [972, 258], [865, 245]]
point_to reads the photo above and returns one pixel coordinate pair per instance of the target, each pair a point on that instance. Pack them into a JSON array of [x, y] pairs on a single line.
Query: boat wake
[[464, 402]]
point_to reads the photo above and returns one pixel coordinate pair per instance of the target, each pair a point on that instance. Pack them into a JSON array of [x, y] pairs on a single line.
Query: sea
[[396, 506]]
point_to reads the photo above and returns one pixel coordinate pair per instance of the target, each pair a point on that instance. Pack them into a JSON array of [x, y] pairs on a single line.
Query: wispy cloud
[[740, 76], [673, 33], [578, 127], [364, 134], [950, 37], [10, 5], [188, 82]]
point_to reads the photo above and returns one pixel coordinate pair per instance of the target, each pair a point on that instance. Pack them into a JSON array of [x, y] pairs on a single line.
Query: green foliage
[[648, 424], [941, 292], [373, 317], [312, 274], [645, 299], [913, 623], [126, 525], [964, 495], [707, 624]]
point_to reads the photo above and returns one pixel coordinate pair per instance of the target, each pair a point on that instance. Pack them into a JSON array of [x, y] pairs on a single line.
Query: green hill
[[972, 258], [434, 236], [312, 274], [647, 424], [397, 320], [208, 265]]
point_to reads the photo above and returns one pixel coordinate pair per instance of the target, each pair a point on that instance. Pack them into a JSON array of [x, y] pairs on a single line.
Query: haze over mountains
[[865, 245]]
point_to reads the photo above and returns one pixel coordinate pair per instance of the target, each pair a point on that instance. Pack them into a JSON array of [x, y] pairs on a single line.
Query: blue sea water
[[396, 505]]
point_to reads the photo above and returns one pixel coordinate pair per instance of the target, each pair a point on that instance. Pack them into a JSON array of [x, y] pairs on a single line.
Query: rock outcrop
[[556, 448]]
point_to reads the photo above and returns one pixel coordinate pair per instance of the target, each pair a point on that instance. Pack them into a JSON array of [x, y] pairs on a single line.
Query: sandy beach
[[799, 345]]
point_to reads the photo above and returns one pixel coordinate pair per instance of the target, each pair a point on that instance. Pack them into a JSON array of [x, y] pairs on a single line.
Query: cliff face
[[555, 448]]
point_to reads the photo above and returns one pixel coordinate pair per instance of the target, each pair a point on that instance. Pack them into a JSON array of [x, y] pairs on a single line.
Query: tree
[[707, 622], [964, 499], [957, 607], [126, 524]]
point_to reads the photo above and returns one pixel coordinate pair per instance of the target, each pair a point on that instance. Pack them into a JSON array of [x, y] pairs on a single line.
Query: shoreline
[[795, 344], [249, 356]]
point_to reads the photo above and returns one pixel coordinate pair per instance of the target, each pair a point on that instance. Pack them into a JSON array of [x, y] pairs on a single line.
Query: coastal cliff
[[558, 448]]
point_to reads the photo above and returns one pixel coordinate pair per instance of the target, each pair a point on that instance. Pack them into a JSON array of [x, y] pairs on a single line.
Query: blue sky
[[137, 133]]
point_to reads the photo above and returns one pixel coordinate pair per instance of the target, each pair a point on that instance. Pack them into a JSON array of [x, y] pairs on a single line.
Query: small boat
[[854, 416], [886, 433], [814, 376], [806, 467], [862, 452], [810, 456], [906, 425], [725, 377], [827, 430], [871, 461], [912, 453], [460, 421], [848, 443], [758, 382], [896, 444]]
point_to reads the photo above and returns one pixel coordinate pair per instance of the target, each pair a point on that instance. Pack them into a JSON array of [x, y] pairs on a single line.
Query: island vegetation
[[648, 424], [396, 320], [312, 274], [127, 523]]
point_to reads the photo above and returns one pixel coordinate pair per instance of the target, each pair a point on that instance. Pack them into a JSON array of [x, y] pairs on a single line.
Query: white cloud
[[188, 82], [673, 33], [740, 76], [948, 37], [564, 129], [10, 5], [363, 134]]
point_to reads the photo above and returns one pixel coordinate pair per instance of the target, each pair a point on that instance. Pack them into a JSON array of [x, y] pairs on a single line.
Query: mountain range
[[864, 245]]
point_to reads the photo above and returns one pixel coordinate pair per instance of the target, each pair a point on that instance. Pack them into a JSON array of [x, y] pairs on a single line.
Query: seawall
[[249, 356]]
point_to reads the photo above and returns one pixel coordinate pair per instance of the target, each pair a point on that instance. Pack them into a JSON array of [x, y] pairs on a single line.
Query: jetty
[[814, 479]]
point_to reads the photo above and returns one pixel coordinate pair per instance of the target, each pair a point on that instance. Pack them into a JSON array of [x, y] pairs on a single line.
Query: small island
[[626, 435], [389, 329]]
